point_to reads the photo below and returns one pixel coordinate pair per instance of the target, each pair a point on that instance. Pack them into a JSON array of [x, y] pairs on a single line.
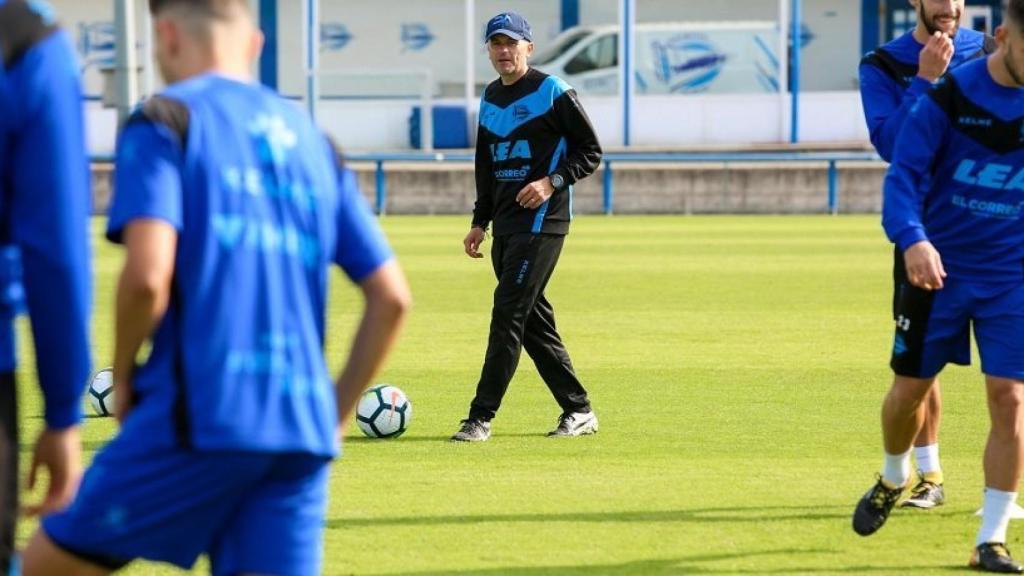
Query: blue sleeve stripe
[[538, 220], [556, 85]]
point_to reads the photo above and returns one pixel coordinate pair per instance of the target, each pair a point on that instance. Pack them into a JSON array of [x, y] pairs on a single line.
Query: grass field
[[737, 365]]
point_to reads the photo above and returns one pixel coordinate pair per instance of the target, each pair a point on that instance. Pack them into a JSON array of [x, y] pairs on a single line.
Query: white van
[[671, 58]]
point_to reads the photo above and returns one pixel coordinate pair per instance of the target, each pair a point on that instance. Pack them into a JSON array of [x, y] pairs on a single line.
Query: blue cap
[[510, 24]]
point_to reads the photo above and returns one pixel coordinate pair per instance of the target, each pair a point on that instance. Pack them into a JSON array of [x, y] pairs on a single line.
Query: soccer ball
[[383, 412], [101, 392]]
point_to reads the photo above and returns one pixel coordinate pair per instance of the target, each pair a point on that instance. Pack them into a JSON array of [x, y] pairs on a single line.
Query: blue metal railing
[[611, 158]]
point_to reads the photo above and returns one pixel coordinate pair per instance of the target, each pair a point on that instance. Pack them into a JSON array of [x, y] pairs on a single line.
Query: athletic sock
[[896, 471], [928, 462], [995, 516]]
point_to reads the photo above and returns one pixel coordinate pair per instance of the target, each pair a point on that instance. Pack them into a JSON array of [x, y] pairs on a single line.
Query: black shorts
[[8, 469]]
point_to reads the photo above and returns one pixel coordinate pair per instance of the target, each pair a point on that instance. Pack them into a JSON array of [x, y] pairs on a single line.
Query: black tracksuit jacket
[[531, 129]]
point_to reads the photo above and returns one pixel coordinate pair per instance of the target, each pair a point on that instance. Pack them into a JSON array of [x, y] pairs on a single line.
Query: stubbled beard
[[931, 27]]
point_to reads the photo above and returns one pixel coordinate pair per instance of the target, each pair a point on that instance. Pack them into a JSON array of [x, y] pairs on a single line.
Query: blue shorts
[[933, 328], [250, 512]]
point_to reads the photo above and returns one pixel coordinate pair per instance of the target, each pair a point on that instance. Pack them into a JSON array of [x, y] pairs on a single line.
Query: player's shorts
[[251, 512], [933, 328], [899, 279]]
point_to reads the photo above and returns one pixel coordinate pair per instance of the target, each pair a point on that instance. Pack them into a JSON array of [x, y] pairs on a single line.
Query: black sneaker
[[473, 430], [994, 557], [575, 424], [874, 507], [925, 495]]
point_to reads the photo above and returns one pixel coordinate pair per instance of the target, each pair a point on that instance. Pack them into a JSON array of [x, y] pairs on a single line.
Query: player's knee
[[1005, 404], [910, 391]]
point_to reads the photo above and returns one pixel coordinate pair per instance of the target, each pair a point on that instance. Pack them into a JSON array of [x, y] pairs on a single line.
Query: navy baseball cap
[[510, 24]]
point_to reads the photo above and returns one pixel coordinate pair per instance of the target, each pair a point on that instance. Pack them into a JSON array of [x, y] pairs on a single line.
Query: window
[[560, 47], [602, 53]]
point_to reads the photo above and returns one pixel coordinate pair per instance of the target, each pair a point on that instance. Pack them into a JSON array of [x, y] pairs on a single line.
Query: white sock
[[927, 458], [897, 468], [995, 515]]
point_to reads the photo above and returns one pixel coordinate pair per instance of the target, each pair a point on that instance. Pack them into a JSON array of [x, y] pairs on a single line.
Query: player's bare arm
[[924, 266], [388, 300], [143, 293], [935, 57]]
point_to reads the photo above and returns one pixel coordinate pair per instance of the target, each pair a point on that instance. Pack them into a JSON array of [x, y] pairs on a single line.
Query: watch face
[[557, 181]]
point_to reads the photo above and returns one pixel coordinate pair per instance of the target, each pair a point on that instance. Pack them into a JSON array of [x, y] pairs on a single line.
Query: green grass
[[737, 365]]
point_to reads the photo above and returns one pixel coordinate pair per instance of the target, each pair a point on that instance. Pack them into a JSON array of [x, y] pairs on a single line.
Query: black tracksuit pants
[[523, 317]]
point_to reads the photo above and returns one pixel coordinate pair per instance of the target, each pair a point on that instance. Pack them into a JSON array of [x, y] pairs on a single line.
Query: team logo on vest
[[502, 151], [512, 174], [521, 112], [992, 175], [273, 137], [974, 121]]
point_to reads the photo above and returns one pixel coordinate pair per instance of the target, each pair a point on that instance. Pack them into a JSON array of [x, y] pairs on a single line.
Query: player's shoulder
[[551, 83], [166, 111], [23, 24], [965, 74], [492, 90], [896, 60], [902, 50], [970, 41], [968, 78]]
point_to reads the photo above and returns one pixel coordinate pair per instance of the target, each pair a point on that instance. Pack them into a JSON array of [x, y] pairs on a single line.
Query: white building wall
[[372, 34]]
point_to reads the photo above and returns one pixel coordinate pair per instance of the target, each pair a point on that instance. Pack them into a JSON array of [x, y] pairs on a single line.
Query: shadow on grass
[[717, 515], [704, 515], [697, 515], [447, 439], [695, 564]]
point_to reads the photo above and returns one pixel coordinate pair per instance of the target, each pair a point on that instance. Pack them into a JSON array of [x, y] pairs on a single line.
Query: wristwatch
[[557, 182]]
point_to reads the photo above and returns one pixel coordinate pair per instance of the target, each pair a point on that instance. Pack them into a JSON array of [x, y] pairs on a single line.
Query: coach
[[533, 143]]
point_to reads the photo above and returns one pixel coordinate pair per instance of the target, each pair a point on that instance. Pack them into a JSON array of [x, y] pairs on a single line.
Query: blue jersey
[[889, 84], [262, 210], [967, 138], [44, 204]]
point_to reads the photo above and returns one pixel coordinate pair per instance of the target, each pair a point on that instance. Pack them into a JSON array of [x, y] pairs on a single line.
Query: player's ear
[[529, 49], [168, 35], [256, 44], [1000, 35]]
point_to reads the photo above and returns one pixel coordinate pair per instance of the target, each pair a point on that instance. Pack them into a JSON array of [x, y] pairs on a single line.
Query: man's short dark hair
[[219, 9], [1013, 11]]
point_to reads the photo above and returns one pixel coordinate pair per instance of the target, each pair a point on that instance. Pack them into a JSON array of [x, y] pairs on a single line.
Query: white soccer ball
[[101, 392], [384, 411]]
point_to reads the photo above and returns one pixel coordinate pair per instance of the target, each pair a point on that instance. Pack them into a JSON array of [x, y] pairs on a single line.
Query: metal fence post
[[833, 188], [608, 193], [381, 191]]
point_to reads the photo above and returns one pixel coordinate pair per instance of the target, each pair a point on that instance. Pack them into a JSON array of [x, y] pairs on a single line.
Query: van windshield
[[559, 47]]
